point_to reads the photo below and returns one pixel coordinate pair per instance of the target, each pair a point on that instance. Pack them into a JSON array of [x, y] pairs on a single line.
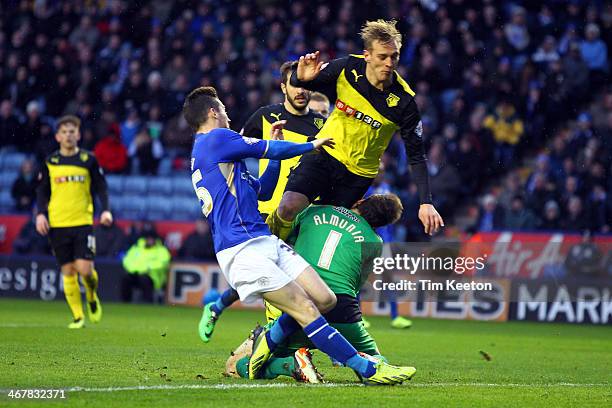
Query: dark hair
[[287, 69], [198, 103], [380, 209], [68, 119]]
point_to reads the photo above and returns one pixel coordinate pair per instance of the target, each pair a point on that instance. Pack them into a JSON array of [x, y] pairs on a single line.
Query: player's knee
[[308, 311], [327, 302], [291, 205], [68, 269]]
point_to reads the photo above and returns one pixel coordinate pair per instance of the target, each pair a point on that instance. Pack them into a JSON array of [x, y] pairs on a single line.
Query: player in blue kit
[[254, 262]]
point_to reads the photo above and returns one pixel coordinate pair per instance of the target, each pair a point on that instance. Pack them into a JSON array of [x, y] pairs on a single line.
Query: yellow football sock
[[278, 226], [72, 292], [91, 285], [272, 312]]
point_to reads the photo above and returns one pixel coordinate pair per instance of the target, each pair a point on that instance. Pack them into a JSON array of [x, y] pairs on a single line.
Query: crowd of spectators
[[496, 81]]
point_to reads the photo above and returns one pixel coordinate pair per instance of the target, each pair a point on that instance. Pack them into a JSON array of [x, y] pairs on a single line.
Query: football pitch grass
[[147, 356]]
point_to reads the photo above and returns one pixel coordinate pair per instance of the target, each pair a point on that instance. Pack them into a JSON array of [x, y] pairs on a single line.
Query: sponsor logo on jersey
[[69, 179], [350, 111], [83, 156], [318, 122], [54, 160], [250, 140], [392, 100], [419, 129], [276, 115], [357, 76]]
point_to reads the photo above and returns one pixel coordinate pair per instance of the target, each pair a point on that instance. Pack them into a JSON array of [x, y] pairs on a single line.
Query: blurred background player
[[343, 260], [372, 103], [301, 126], [319, 103], [67, 180]]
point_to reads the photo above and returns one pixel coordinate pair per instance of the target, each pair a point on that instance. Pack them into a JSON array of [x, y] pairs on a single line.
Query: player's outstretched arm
[[280, 149], [268, 180]]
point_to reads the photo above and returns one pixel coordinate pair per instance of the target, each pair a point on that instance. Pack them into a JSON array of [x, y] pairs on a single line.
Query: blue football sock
[[282, 328], [328, 340], [225, 300], [393, 307]]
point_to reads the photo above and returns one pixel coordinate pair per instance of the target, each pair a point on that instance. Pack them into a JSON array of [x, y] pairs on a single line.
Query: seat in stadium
[[160, 186], [181, 186], [135, 184], [6, 201], [185, 209], [7, 178], [159, 207], [165, 167], [115, 183], [133, 207], [12, 161]]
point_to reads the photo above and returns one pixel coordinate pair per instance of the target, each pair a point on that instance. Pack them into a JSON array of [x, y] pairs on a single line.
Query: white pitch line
[[22, 325], [328, 385]]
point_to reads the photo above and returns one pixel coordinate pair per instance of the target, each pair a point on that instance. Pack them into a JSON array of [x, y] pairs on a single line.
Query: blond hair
[[380, 30]]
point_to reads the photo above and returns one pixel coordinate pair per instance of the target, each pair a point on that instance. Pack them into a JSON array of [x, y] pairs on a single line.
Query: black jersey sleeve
[[412, 133], [325, 82], [98, 183], [43, 190], [253, 127]]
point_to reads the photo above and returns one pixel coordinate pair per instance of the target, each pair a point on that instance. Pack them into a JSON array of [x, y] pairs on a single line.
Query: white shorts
[[260, 265]]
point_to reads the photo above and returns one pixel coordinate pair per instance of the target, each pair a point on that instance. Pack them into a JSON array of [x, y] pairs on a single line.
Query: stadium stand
[[503, 86]]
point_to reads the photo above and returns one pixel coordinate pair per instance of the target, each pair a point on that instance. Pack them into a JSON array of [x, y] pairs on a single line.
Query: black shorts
[[320, 175], [70, 243]]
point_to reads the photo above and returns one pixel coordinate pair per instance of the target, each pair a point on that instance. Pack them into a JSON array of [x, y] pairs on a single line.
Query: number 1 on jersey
[[329, 248]]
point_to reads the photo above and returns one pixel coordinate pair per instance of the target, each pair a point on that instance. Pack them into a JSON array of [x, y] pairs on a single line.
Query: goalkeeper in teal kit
[[339, 244]]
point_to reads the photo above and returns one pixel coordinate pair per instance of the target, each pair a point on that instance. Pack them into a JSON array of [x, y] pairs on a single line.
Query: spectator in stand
[[443, 177], [111, 153], [29, 241], [542, 192], [491, 215], [584, 259], [147, 152], [199, 244], [110, 240], [507, 129], [575, 219], [130, 127], [518, 217], [177, 136], [10, 128], [146, 264], [595, 53], [599, 210], [24, 187], [551, 219]]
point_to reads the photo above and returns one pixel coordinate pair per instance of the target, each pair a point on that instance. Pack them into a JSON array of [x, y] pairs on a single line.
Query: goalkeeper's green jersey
[[338, 243]]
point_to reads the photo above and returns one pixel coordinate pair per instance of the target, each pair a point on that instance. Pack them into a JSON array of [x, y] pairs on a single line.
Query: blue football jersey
[[226, 190]]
